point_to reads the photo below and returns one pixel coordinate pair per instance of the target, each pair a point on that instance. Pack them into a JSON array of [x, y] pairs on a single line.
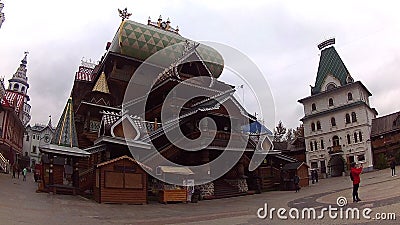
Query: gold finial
[[124, 14]]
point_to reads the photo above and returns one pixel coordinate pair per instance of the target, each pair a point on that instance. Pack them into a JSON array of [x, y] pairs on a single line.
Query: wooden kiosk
[[120, 180], [173, 193], [61, 157], [290, 170]]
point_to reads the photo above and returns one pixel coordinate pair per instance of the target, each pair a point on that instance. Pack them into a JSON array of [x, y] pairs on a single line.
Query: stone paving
[[20, 204]]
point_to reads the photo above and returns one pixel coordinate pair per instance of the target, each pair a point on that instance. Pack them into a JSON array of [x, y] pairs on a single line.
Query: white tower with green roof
[[338, 117]]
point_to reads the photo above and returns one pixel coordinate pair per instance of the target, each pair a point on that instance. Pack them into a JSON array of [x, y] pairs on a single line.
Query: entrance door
[[323, 167], [336, 166]]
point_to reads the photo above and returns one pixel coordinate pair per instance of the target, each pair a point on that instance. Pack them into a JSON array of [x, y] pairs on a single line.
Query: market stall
[[176, 193], [120, 180]]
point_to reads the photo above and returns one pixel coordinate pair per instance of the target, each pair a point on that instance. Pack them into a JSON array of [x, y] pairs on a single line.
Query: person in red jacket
[[355, 173]]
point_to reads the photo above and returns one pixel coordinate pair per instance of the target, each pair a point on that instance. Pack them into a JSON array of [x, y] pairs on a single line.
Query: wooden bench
[[61, 187], [173, 196]]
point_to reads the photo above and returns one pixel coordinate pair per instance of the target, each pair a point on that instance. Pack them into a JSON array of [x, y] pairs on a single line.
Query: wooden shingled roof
[[330, 63], [121, 158], [385, 124]]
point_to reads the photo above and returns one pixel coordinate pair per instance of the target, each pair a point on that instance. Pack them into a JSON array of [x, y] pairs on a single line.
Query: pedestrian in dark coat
[[13, 171], [316, 175], [312, 176], [393, 167], [296, 181], [18, 171]]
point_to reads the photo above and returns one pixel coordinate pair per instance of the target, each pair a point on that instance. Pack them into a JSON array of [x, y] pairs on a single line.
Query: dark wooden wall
[[104, 194]]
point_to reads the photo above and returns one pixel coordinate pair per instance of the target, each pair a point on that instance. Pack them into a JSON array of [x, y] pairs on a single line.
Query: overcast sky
[[281, 37]]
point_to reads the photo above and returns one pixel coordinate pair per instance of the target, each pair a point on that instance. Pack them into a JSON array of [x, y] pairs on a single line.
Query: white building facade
[[338, 118], [35, 137]]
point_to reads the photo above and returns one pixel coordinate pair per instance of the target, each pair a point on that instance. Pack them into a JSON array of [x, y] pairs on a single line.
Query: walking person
[[13, 171], [393, 167], [316, 175], [296, 181], [355, 177], [312, 176], [18, 170], [24, 171]]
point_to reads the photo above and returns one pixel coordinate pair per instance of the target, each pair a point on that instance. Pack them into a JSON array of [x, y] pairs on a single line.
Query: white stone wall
[[364, 117], [339, 98], [36, 138]]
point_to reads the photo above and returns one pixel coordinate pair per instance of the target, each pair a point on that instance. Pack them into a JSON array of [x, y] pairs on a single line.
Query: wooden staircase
[[223, 189], [270, 184], [270, 178], [4, 164]]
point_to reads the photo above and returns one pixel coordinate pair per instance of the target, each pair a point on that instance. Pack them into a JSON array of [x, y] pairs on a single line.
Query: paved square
[[20, 204]]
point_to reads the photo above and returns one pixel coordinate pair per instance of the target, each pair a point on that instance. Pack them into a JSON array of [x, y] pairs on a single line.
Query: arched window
[[330, 86], [16, 87], [315, 145], [313, 126], [347, 118], [311, 146], [359, 136], [330, 102], [355, 138], [335, 140], [322, 144], [318, 125], [353, 117], [349, 96], [333, 121], [23, 89], [348, 139], [313, 107]]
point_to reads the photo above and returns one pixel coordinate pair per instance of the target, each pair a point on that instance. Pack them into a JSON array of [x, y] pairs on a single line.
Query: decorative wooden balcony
[[335, 149]]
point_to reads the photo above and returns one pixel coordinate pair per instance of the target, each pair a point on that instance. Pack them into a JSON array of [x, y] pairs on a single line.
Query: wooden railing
[[4, 164], [86, 179]]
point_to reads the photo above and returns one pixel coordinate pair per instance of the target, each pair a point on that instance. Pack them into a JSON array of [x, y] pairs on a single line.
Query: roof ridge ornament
[[163, 25], [326, 43], [124, 14], [88, 63]]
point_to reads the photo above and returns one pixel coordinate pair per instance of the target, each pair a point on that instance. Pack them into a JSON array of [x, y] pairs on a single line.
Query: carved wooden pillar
[[75, 174], [51, 168]]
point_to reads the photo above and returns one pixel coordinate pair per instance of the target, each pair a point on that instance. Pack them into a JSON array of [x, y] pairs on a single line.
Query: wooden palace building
[[107, 130]]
